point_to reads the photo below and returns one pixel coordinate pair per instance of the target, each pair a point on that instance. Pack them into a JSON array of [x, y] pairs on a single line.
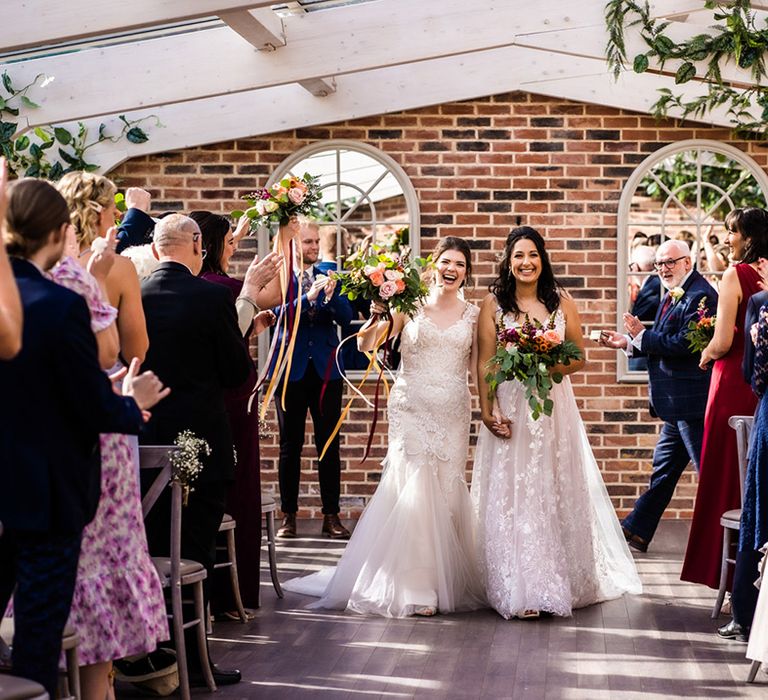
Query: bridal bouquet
[[387, 276], [527, 353], [289, 197], [701, 329]]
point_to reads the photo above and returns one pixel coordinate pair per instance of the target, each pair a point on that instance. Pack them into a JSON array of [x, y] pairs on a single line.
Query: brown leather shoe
[[635, 541], [288, 527], [333, 528]]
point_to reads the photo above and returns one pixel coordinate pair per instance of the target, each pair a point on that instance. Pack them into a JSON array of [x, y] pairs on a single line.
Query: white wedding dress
[[415, 544], [549, 538]]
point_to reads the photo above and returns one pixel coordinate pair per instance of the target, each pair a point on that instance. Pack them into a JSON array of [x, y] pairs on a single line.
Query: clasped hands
[[497, 422]]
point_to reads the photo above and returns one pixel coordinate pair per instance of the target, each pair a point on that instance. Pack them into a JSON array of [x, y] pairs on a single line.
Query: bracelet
[[255, 306]]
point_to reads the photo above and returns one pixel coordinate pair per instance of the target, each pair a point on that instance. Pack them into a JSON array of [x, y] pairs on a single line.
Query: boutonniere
[[676, 293]]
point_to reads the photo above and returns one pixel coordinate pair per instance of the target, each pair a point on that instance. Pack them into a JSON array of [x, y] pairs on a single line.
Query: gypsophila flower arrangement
[[701, 329], [386, 276], [527, 353], [291, 196], [186, 463]]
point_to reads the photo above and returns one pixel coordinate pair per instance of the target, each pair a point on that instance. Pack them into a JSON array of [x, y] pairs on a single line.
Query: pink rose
[[388, 289], [509, 347], [552, 337], [296, 195], [376, 277], [393, 275]]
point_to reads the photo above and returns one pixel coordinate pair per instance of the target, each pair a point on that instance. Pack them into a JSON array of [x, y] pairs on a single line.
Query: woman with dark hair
[[413, 549], [549, 539], [244, 498], [729, 395]]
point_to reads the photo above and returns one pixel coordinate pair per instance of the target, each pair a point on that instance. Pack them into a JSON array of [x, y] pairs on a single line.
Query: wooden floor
[[660, 644]]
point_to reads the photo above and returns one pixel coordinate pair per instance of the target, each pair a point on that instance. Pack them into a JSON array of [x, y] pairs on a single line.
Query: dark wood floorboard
[[658, 645]]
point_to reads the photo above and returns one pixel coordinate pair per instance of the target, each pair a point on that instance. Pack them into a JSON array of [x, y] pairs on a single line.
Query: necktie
[[665, 305], [306, 281]]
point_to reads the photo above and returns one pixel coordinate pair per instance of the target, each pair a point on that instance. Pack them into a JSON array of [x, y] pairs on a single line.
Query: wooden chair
[[731, 519], [14, 688], [228, 525], [268, 510], [69, 642], [174, 571]]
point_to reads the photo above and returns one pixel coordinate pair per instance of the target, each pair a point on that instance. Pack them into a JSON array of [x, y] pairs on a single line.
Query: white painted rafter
[[320, 45], [36, 22]]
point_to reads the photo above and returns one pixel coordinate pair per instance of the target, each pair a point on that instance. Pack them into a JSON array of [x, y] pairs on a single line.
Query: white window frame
[[413, 216], [623, 373]]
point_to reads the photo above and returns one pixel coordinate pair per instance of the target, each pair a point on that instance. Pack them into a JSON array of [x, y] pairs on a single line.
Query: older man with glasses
[[677, 388]]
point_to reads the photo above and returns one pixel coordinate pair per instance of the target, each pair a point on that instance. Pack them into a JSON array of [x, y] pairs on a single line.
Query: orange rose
[[377, 278]]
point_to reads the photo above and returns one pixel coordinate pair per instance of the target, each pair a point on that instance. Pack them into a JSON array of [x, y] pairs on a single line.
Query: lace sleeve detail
[[472, 313], [760, 374], [72, 276]]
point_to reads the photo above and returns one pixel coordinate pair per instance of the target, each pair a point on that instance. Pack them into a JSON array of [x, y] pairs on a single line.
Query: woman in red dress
[[729, 395]]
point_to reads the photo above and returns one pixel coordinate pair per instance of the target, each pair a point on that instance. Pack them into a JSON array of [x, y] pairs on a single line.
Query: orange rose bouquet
[[527, 353], [701, 329]]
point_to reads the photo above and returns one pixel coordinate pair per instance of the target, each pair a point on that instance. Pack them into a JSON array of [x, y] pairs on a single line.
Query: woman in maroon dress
[[244, 498], [729, 395]]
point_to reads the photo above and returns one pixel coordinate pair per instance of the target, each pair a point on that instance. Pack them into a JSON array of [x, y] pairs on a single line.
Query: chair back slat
[[743, 427], [155, 457]]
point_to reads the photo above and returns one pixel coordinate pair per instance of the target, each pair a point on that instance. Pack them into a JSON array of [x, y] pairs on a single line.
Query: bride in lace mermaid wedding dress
[[413, 549], [549, 538]]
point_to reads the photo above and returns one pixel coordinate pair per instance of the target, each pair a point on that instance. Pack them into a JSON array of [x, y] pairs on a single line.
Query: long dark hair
[[752, 224], [215, 230], [460, 245], [504, 287]]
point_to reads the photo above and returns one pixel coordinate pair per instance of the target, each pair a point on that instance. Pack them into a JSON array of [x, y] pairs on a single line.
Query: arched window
[[682, 191], [366, 196]]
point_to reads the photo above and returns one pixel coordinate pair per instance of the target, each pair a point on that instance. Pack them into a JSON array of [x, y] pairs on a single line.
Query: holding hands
[[498, 423]]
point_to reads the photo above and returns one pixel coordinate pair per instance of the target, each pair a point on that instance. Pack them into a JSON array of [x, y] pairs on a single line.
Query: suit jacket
[[755, 303], [196, 348], [678, 389], [318, 337], [56, 401], [135, 229]]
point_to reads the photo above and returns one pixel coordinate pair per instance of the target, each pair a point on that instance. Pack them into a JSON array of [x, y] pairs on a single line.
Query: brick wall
[[477, 166]]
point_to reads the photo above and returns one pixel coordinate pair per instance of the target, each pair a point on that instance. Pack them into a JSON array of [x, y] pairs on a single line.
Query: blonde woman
[[91, 200], [118, 608]]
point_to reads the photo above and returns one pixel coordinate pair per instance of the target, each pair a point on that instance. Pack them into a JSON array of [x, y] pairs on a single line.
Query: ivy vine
[[735, 38], [52, 151]]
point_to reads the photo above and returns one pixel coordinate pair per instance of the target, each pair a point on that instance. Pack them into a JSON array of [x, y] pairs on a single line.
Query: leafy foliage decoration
[[734, 38], [51, 151]]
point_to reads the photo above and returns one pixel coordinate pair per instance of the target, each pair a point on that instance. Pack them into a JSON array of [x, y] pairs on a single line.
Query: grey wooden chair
[[268, 510], [13, 688], [731, 519], [69, 642], [175, 572], [227, 527]]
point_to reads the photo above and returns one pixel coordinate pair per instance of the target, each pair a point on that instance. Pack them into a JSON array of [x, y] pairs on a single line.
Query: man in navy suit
[[313, 377], [56, 402], [677, 388]]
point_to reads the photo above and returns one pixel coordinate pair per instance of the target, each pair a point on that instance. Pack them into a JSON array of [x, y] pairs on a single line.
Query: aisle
[[658, 645]]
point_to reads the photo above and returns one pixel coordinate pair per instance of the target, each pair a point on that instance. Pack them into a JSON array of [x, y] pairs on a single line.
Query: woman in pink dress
[[729, 395], [118, 607]]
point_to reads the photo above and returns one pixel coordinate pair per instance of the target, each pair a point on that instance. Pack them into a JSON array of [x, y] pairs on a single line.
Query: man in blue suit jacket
[[57, 401], [323, 310], [677, 388]]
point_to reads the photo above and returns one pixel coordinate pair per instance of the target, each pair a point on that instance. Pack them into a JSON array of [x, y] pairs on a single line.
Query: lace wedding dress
[[414, 545], [549, 538]]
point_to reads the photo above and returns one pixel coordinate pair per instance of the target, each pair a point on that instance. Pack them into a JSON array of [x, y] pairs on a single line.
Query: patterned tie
[[306, 281]]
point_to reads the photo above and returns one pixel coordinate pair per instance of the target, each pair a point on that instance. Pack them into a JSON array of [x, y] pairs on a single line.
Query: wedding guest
[[646, 302], [313, 375], [136, 225], [91, 199], [51, 486], [753, 531], [10, 302], [244, 497], [548, 537], [413, 550], [729, 395], [677, 388], [198, 349]]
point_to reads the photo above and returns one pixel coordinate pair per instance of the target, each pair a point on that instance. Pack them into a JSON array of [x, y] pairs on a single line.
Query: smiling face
[[736, 242], [228, 250], [451, 269], [525, 262], [673, 262]]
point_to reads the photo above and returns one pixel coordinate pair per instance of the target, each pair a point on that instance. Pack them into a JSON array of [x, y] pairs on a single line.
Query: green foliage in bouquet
[[701, 329], [291, 196]]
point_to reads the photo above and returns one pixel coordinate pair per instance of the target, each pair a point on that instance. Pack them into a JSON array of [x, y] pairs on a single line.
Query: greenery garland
[[736, 38], [28, 154]]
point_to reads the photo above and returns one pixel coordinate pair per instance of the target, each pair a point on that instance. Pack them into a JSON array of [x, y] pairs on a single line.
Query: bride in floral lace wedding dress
[[413, 549], [549, 538]]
